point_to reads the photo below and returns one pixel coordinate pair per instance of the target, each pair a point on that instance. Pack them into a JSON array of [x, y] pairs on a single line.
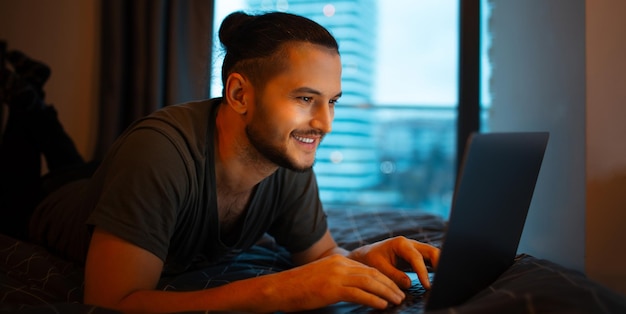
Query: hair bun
[[232, 26]]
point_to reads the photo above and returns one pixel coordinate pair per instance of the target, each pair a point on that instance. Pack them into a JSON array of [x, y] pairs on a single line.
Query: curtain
[[154, 53]]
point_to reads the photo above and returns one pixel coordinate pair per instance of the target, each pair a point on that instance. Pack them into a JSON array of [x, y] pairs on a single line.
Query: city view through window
[[393, 143]]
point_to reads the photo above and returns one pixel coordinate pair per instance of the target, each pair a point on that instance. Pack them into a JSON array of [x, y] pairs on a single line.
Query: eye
[[306, 100]]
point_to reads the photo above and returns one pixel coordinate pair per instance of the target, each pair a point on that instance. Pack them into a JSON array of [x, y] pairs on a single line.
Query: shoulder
[[184, 116], [186, 125]]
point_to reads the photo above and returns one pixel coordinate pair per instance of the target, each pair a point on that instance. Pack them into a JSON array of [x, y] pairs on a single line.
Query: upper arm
[[116, 268], [325, 246], [140, 188]]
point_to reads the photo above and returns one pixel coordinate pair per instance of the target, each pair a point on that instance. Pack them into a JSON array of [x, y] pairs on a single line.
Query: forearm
[[319, 283], [250, 295]]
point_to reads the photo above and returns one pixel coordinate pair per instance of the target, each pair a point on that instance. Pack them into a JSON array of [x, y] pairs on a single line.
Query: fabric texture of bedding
[[33, 280]]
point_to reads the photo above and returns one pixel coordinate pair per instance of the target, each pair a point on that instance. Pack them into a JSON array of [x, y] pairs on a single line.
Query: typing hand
[[333, 279], [385, 255]]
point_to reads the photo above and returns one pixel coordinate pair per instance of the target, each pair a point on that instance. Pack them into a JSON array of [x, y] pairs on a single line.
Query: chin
[[281, 158], [299, 167]]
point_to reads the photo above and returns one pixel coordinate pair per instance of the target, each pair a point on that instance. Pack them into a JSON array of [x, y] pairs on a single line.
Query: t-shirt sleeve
[[143, 181], [302, 220]]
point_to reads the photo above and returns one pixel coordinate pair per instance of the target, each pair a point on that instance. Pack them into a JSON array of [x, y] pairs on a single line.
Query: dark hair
[[254, 44]]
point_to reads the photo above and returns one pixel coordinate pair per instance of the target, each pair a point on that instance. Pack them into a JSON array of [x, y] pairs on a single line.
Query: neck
[[235, 169]]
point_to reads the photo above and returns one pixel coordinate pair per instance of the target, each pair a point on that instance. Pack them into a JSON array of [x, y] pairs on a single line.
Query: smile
[[305, 140]]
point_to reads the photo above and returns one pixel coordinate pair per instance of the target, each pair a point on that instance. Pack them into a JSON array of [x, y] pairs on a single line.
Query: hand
[[384, 256], [330, 280]]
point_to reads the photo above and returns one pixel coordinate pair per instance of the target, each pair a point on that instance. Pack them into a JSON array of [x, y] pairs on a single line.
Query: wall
[[559, 66], [538, 83], [606, 146], [64, 35]]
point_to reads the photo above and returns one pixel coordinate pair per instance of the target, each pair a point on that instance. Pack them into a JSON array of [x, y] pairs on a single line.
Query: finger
[[358, 296], [375, 283], [412, 252], [386, 283], [423, 277], [425, 252], [434, 256], [361, 273], [419, 267], [399, 277]]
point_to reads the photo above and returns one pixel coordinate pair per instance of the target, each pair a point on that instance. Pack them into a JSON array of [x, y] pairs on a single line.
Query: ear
[[237, 88]]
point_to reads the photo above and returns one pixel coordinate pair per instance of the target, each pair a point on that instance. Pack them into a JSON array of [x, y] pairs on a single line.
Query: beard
[[274, 153]]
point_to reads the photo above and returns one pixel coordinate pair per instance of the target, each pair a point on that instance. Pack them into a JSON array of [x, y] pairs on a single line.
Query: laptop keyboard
[[413, 303]]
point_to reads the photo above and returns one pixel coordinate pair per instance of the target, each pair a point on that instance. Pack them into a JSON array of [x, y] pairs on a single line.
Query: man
[[196, 182]]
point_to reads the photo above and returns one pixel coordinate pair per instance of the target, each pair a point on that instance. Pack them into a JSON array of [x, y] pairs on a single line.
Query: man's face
[[295, 109]]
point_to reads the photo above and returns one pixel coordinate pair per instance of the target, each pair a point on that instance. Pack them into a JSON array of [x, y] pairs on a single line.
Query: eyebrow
[[313, 91]]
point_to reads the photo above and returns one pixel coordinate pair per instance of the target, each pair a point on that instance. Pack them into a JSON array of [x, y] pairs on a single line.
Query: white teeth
[[304, 139]]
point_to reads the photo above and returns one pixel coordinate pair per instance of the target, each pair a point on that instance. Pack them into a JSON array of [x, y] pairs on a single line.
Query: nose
[[323, 118]]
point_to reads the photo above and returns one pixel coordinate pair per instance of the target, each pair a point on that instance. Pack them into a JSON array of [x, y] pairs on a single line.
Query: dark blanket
[[33, 280]]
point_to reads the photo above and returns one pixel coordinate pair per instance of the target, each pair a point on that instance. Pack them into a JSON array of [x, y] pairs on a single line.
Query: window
[[393, 143]]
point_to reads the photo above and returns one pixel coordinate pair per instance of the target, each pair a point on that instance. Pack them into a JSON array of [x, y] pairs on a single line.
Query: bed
[[33, 280]]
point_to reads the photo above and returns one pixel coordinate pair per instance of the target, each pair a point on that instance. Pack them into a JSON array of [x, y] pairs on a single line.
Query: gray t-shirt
[[156, 189]]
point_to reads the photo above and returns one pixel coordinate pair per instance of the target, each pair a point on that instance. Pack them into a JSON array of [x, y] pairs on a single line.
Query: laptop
[[489, 208]]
